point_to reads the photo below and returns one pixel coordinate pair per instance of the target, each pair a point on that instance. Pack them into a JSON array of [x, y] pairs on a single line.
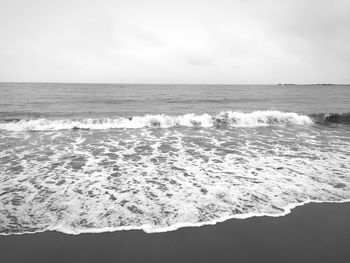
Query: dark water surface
[[67, 100]]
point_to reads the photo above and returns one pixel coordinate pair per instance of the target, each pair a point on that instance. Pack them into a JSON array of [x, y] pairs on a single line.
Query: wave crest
[[228, 118]]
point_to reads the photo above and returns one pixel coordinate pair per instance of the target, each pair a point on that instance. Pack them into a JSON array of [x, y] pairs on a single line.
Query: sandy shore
[[312, 233]]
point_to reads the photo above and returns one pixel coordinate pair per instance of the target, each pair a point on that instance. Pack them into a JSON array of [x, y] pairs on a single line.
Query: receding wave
[[159, 180], [228, 118]]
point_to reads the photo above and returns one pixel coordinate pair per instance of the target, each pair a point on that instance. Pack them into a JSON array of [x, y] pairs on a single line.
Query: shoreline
[[314, 232], [148, 229]]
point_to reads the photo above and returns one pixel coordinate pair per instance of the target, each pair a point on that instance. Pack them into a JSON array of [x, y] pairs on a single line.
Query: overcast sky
[[179, 41]]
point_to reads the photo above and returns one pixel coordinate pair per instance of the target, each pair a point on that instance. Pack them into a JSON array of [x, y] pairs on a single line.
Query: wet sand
[[312, 233]]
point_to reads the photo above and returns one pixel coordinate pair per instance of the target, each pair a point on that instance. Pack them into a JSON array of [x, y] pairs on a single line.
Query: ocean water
[[85, 158]]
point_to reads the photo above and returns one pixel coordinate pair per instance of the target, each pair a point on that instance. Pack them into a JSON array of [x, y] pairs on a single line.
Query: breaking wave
[[223, 119]]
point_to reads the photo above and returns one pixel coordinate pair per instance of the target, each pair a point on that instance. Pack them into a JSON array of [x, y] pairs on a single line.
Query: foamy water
[[160, 172]]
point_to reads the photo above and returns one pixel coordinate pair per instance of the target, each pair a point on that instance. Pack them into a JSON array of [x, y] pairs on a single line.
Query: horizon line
[[197, 84]]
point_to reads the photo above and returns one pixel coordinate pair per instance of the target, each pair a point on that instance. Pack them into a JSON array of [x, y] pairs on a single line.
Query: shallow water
[[72, 163]]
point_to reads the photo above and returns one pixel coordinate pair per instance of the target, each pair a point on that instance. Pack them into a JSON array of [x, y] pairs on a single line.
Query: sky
[[179, 41]]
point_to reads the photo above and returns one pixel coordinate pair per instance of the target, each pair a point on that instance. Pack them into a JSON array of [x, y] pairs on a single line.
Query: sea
[[89, 158]]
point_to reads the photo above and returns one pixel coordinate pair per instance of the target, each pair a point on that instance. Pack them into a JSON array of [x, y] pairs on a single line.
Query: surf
[[226, 118]]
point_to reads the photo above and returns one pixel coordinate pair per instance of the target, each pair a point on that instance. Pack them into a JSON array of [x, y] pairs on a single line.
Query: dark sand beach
[[311, 233]]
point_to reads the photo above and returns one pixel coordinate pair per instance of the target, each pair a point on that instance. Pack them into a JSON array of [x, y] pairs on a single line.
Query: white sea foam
[[229, 118], [160, 180], [150, 228]]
